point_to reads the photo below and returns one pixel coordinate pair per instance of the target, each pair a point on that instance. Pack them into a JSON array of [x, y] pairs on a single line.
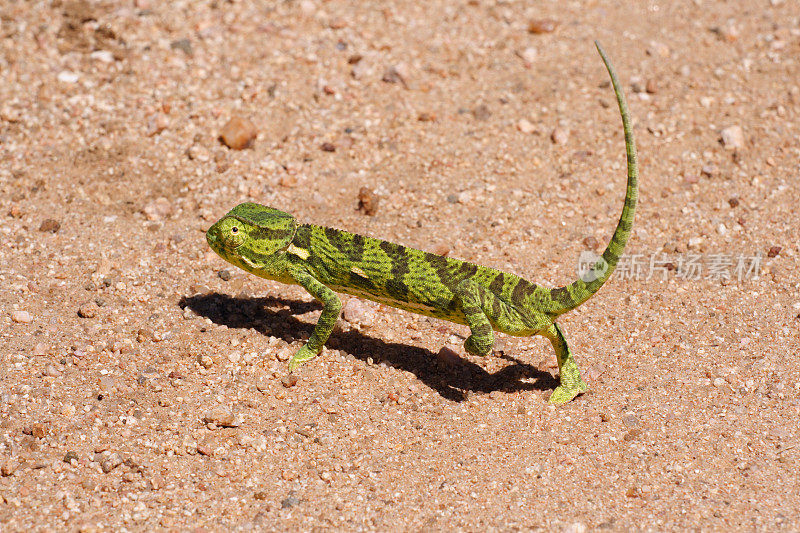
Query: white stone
[[525, 126], [732, 137], [66, 76], [103, 55], [529, 54], [22, 317]]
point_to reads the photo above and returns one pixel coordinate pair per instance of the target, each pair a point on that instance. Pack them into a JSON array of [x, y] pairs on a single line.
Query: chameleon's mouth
[[213, 239]]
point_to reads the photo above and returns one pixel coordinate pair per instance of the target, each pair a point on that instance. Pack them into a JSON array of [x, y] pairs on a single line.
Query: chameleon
[[272, 244]]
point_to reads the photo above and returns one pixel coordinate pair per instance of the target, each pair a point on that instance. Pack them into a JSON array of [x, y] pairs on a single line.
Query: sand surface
[[143, 382]]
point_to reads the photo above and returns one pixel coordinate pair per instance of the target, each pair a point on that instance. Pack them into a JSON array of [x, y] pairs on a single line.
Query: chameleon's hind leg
[[485, 311], [571, 382]]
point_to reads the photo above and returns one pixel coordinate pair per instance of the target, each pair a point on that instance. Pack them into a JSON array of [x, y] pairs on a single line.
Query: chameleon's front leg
[[471, 297], [571, 382], [331, 306]]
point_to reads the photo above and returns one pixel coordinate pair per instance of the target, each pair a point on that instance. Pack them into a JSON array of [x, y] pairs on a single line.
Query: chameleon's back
[[396, 275]]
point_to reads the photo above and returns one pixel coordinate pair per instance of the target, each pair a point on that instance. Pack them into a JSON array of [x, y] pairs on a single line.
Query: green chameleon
[[272, 244]]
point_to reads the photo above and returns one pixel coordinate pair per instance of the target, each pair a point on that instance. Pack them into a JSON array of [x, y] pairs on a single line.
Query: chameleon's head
[[251, 235]]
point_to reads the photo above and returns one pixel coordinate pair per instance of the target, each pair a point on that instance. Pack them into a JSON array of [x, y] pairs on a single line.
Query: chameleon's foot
[[302, 356], [563, 394], [481, 348]]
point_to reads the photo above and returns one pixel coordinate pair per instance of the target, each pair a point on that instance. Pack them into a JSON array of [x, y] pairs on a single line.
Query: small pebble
[[238, 133], [70, 456], [158, 209], [50, 226], [525, 126], [368, 201], [104, 56], [651, 86], [262, 383], [8, 468], [591, 242], [109, 461], [107, 383], [21, 317], [221, 416], [41, 349], [338, 23], [88, 310], [441, 249], [560, 135], [575, 527], [284, 353], [205, 361], [224, 275], [144, 334], [289, 380], [204, 449], [198, 289], [630, 420], [198, 153], [361, 69], [38, 430], [539, 26], [481, 112], [396, 74], [448, 356], [328, 147], [632, 434], [290, 501], [357, 312], [529, 54], [733, 202], [728, 33], [708, 170], [184, 45], [156, 123], [732, 138], [774, 251], [288, 180], [426, 117], [65, 76]]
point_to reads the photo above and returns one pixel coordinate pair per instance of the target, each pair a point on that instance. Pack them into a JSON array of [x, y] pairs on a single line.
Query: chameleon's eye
[[233, 234]]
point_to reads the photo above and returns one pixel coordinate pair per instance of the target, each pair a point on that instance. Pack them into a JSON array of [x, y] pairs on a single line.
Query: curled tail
[[571, 296]]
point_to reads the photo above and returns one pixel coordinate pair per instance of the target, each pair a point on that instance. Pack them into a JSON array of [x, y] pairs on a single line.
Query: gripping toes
[[572, 383], [479, 345], [565, 393], [302, 356]]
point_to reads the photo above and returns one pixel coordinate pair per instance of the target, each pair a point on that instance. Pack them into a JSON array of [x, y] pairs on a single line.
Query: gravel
[[21, 317], [238, 133]]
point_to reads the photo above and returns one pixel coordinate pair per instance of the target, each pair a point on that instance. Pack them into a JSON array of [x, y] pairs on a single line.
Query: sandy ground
[[482, 134]]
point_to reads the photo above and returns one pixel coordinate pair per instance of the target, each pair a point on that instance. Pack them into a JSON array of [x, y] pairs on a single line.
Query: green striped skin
[[271, 244]]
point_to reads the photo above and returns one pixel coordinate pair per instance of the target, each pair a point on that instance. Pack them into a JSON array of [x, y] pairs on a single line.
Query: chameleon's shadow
[[453, 380]]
